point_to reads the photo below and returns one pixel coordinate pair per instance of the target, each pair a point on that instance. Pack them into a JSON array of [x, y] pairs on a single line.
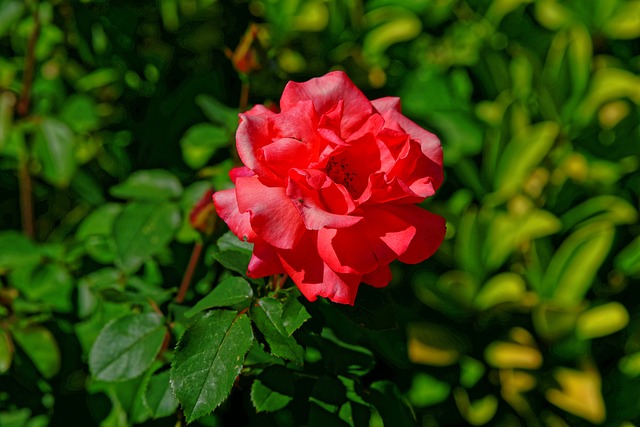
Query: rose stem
[[25, 182], [188, 274], [244, 95]]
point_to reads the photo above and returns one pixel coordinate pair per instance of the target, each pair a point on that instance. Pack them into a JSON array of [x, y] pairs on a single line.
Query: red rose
[[329, 188]]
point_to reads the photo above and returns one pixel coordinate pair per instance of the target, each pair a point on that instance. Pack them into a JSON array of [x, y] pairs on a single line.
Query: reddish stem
[[22, 108], [188, 274], [29, 67], [244, 96]]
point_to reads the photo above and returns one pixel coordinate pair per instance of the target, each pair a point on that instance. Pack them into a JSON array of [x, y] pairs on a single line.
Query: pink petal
[[388, 103], [326, 92], [241, 171], [305, 188], [429, 146], [346, 250], [252, 135], [273, 216], [382, 190], [388, 234], [313, 277], [265, 261], [430, 231], [227, 207], [284, 154], [378, 278]]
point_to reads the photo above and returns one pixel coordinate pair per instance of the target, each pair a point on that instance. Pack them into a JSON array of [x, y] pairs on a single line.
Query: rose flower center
[[339, 172]]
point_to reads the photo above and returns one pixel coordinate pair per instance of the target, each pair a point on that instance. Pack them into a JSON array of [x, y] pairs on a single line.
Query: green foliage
[[207, 360], [116, 118]]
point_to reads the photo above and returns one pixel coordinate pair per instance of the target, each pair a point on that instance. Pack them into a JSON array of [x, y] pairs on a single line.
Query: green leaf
[[326, 398], [507, 232], [523, 153], [575, 264], [267, 315], [6, 351], [501, 288], [218, 112], [149, 185], [426, 390], [477, 412], [79, 113], [159, 398], [272, 390], [55, 148], [41, 347], [96, 79], [10, 13], [602, 320], [232, 292], [16, 251], [600, 208], [201, 142], [208, 359], [50, 284], [294, 314], [96, 231], [126, 347], [628, 259], [461, 134], [342, 357], [385, 396], [142, 230], [232, 253]]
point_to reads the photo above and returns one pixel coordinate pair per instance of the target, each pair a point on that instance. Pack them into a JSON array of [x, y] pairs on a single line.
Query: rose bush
[[328, 191]]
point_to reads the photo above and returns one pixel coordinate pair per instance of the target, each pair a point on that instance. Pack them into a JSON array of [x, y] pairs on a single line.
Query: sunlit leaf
[[628, 259], [580, 394], [16, 251], [522, 154], [234, 292], [272, 390], [426, 390], [201, 142], [575, 264], [41, 347], [602, 320]]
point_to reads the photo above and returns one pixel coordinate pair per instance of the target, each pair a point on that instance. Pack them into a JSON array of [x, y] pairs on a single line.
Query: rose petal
[[380, 190], [388, 103], [430, 231], [305, 188], [429, 146], [313, 277], [252, 135], [378, 278], [238, 172], [389, 234], [346, 250], [227, 207], [326, 92], [273, 216], [265, 261]]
